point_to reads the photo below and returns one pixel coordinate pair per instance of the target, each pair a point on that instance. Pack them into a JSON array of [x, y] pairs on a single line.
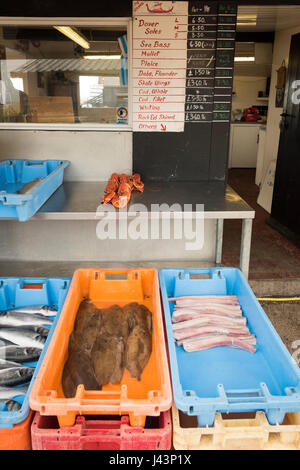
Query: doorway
[[285, 213]]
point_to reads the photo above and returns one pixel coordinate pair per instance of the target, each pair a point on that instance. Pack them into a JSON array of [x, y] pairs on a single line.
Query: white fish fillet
[[215, 341], [229, 308], [220, 299], [207, 310], [249, 339], [210, 329], [208, 317]]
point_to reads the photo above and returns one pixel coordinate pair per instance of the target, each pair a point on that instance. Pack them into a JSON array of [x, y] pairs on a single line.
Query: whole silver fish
[[24, 338], [12, 352], [15, 376], [4, 364], [5, 342], [11, 405], [23, 319], [41, 330], [35, 310], [10, 392]]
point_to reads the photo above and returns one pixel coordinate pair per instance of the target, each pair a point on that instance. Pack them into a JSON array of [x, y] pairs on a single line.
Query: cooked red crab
[[137, 183], [118, 189]]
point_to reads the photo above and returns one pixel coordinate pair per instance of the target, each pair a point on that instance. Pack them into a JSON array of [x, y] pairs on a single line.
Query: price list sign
[[201, 59], [210, 61], [223, 84], [159, 65]]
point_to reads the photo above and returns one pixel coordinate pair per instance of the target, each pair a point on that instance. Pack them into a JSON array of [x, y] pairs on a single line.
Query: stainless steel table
[[79, 201]]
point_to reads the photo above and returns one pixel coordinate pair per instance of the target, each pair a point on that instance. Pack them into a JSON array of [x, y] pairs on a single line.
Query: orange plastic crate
[[148, 397], [18, 437]]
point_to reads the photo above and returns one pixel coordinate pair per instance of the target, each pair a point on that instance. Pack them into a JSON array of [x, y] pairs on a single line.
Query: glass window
[[63, 74]]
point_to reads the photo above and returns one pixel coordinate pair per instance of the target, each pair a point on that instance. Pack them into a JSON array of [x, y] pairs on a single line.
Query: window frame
[[71, 21]]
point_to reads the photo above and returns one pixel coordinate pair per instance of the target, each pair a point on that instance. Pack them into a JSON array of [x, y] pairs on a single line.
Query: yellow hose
[[279, 299]]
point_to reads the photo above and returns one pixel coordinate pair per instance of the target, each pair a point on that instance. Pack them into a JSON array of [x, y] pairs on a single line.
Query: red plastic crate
[[101, 434]]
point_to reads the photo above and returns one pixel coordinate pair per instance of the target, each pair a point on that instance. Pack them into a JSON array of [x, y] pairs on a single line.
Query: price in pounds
[[227, 19], [201, 35], [198, 82], [222, 106], [219, 116], [199, 19], [198, 107], [224, 73], [227, 8], [223, 82], [198, 117], [194, 44], [198, 99], [200, 72]]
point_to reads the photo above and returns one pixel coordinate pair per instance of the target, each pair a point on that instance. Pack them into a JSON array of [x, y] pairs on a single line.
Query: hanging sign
[[159, 65]]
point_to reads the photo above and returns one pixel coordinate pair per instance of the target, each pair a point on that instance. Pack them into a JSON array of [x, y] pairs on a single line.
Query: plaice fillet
[[215, 341]]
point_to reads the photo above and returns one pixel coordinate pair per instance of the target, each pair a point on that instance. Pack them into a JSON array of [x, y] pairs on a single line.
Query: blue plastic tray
[[15, 173], [14, 292], [224, 379]]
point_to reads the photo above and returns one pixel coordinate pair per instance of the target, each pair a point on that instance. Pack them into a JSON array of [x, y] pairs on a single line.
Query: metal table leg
[[246, 246], [219, 240]]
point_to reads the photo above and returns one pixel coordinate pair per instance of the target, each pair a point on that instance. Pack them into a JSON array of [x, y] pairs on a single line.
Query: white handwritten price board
[[159, 65]]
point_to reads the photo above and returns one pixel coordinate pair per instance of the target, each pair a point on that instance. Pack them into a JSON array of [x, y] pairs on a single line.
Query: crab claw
[[136, 182], [112, 184], [123, 178], [120, 201], [106, 198]]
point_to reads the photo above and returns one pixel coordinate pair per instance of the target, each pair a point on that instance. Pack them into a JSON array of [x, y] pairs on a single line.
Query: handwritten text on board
[[159, 65]]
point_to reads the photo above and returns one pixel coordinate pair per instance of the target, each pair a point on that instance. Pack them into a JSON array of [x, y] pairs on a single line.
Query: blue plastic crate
[[224, 379], [15, 173], [17, 292]]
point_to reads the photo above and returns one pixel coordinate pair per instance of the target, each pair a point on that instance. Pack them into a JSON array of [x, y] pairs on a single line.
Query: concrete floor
[[273, 256], [274, 263]]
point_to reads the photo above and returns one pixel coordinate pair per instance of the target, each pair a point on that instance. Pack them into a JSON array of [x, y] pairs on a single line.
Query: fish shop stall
[[120, 100], [114, 131]]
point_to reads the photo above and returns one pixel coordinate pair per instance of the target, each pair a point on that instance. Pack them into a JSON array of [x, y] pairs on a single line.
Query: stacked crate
[[132, 415], [211, 387], [20, 292]]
